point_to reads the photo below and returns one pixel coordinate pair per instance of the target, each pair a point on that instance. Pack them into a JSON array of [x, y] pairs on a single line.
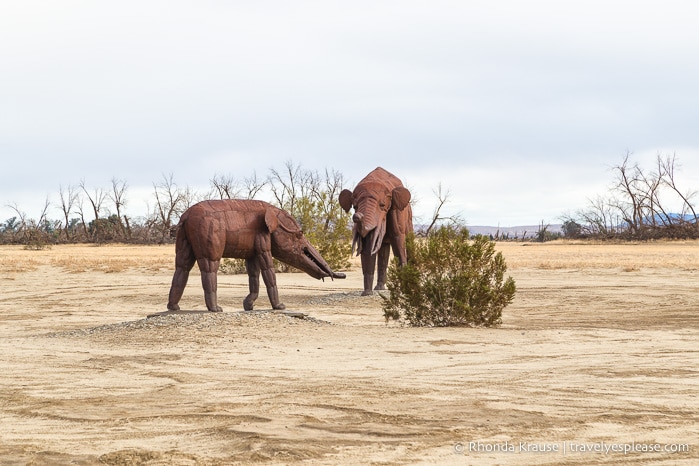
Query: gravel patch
[[194, 322], [348, 297]]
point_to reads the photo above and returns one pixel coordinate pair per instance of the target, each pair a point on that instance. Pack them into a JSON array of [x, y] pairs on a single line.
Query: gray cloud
[[506, 95]]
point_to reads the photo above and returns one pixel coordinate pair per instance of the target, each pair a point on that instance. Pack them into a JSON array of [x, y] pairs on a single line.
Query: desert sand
[[598, 353]]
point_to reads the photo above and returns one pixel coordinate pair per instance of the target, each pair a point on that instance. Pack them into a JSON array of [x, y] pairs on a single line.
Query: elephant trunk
[[372, 239], [369, 226]]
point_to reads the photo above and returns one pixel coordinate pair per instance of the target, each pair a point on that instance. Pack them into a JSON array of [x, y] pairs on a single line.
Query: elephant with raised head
[[252, 230], [382, 218]]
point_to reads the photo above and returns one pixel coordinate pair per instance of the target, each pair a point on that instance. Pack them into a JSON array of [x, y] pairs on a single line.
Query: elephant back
[[382, 176]]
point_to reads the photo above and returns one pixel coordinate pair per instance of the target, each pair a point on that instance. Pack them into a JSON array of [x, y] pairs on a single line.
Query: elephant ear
[[271, 220], [401, 198], [288, 223], [346, 200]]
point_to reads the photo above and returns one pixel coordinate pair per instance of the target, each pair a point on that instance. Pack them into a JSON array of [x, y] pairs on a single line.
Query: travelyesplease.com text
[[570, 447]]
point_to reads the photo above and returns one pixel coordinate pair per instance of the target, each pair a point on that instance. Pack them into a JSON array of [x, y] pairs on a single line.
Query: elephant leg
[[183, 264], [382, 266], [270, 279], [398, 245], [368, 267], [253, 269], [209, 282]]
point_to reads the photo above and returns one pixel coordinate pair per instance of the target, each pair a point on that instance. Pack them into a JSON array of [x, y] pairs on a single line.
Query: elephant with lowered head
[[252, 230], [382, 218]]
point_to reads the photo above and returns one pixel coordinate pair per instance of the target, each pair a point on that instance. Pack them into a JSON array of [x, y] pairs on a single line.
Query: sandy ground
[[599, 351]]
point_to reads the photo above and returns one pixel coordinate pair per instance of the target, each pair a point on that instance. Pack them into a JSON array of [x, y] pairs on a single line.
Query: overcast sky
[[518, 108]]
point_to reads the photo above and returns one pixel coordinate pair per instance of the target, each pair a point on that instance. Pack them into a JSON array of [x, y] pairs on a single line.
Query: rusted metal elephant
[[252, 230], [382, 219]]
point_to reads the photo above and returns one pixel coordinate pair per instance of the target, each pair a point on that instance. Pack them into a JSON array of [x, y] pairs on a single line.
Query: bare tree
[[443, 198], [628, 184], [253, 185], [638, 197], [169, 204], [80, 209], [189, 197], [667, 167], [118, 197], [655, 210], [96, 199], [292, 184], [599, 218], [43, 222], [327, 194], [643, 203], [68, 197], [226, 186], [21, 226], [33, 231]]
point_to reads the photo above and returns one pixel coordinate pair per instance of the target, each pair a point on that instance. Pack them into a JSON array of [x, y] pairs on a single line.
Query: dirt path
[[598, 351]]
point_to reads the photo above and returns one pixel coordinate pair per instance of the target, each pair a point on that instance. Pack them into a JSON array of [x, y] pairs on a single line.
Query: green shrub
[[449, 280], [327, 228]]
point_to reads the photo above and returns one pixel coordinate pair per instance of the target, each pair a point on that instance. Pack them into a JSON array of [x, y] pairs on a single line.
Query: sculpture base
[[298, 315]]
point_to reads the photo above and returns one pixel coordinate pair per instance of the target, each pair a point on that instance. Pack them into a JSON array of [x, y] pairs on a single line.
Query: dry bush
[[449, 280]]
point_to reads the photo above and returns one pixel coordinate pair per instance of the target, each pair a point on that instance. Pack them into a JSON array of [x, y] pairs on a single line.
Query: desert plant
[[449, 280]]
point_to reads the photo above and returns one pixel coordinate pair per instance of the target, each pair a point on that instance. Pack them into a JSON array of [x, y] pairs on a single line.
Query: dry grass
[[88, 258], [17, 266], [629, 257], [555, 255]]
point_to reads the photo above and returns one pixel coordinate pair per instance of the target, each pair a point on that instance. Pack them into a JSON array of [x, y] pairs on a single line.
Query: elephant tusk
[[379, 233], [357, 241]]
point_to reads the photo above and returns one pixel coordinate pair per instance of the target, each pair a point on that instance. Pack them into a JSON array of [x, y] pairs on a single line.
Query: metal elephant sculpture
[[382, 219], [252, 230]]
